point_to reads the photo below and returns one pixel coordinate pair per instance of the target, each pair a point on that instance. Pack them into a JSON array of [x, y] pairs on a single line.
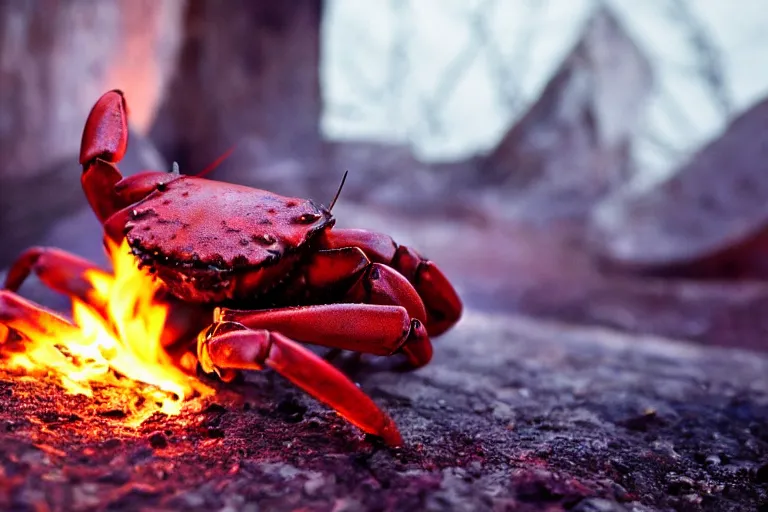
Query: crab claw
[[104, 143], [105, 139], [106, 131]]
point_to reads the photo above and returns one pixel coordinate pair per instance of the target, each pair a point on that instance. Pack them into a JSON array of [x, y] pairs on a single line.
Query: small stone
[[761, 476], [118, 477], [111, 443], [265, 239], [679, 483], [692, 498], [598, 505], [313, 485], [214, 409], [315, 424], [620, 492], [113, 413], [193, 499], [215, 433], [291, 410], [158, 441], [712, 460]]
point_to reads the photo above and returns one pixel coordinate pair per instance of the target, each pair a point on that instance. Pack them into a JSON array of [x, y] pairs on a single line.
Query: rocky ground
[[513, 414]]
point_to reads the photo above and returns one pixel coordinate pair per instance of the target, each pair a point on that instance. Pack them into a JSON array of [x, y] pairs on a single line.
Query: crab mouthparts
[[215, 285]]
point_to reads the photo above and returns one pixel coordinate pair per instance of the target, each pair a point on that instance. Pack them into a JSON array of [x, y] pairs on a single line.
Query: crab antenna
[[338, 192], [216, 162]]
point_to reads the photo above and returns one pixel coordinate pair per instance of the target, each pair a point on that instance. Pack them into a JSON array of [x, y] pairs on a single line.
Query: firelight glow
[[119, 344]]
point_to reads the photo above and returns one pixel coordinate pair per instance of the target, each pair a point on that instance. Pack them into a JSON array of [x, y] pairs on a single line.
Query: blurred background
[[585, 161]]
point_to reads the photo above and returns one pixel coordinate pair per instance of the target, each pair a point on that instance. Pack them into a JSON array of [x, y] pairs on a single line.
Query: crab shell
[[211, 241]]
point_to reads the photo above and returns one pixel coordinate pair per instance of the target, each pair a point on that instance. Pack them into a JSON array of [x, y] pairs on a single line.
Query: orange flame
[[123, 340]]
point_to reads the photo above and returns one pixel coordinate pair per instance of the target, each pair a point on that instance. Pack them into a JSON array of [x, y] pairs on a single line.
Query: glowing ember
[[117, 342]]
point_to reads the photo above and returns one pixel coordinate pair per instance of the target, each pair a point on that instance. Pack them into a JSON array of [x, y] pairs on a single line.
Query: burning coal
[[113, 338]]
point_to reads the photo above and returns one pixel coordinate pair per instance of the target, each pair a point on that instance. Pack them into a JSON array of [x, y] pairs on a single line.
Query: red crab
[[271, 268]]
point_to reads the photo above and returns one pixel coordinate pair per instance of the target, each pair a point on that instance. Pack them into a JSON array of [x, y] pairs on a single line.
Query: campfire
[[113, 338]]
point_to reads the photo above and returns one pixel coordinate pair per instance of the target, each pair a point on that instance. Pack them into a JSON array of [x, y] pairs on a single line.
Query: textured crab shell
[[200, 236]]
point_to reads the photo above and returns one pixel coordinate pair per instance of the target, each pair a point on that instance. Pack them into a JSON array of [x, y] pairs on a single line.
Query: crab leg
[[442, 303], [370, 328], [61, 271], [31, 320], [347, 273], [245, 349], [65, 273], [350, 273], [105, 139], [104, 142]]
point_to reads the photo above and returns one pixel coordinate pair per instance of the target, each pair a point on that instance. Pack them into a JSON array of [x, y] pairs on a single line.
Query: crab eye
[[308, 218]]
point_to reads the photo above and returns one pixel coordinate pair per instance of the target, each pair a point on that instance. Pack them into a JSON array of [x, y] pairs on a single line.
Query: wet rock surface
[[558, 418]]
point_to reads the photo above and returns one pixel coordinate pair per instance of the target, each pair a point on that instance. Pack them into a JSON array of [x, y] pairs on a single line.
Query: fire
[[117, 342]]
